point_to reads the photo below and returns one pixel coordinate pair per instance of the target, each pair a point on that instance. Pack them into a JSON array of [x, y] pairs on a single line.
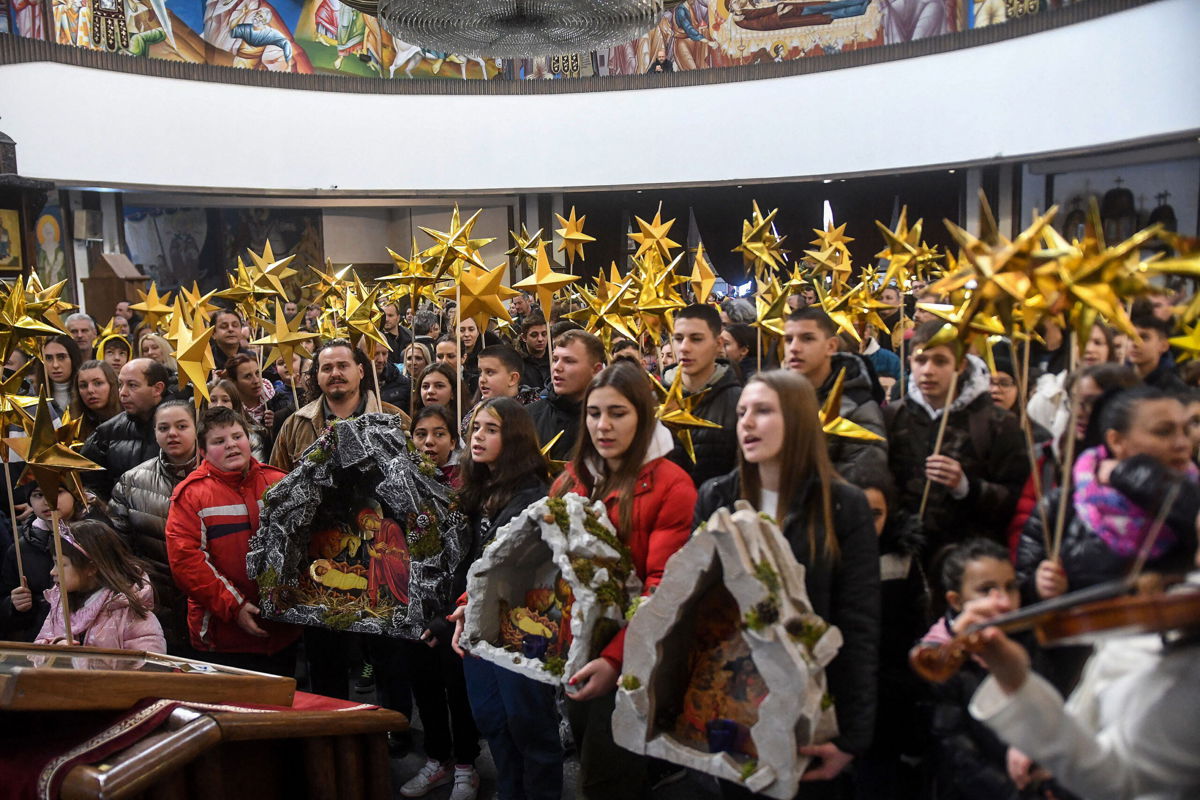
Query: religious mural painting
[[51, 250], [168, 244], [328, 36]]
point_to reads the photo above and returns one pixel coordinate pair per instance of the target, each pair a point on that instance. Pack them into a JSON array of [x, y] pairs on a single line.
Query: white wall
[[1118, 78]]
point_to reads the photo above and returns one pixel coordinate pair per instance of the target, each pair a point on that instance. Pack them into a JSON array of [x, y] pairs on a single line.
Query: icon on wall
[[10, 240]]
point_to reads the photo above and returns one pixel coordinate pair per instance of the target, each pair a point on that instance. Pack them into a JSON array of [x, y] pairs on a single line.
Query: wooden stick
[[295, 396], [900, 351], [937, 447], [1067, 467], [58, 559], [458, 392], [759, 348], [12, 515]]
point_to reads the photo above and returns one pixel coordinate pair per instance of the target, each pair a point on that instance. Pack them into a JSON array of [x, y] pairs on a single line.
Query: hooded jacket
[[844, 592], [855, 459], [140, 503], [552, 414], [306, 425], [118, 445], [535, 371], [715, 448], [105, 620], [664, 500], [213, 515], [985, 440], [394, 388]]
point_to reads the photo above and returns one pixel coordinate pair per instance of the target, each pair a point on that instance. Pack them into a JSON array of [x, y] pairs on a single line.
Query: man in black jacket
[[811, 349], [126, 440], [697, 341], [397, 337], [578, 356]]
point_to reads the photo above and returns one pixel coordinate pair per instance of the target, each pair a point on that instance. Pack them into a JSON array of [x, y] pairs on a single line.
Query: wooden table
[[324, 755]]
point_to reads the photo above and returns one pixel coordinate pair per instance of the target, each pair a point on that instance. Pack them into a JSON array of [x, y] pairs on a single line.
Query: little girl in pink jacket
[[111, 597]]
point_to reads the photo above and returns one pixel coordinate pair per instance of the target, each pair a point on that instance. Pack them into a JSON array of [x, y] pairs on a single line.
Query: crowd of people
[[942, 519]]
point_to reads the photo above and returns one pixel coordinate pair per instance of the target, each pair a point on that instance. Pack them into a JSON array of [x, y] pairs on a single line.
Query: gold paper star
[[702, 278], [15, 319], [524, 249], [195, 357], [652, 236], [573, 237], [455, 247], [676, 411], [48, 462], [153, 308], [284, 336], [545, 281], [832, 421], [1189, 344], [770, 302], [555, 466], [363, 317], [483, 295], [201, 304], [760, 247]]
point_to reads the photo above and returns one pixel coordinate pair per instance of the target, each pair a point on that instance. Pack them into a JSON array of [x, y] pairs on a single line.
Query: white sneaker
[[431, 776], [466, 784]]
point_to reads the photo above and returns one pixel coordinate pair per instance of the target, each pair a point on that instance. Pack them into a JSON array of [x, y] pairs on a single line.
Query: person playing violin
[[1131, 730]]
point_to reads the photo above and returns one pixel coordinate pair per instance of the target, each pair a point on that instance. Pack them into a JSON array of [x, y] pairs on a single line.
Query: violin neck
[[1024, 618]]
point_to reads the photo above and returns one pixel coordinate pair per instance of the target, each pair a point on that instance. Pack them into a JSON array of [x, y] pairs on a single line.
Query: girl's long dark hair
[[630, 381], [805, 456], [117, 568], [486, 489], [114, 401]]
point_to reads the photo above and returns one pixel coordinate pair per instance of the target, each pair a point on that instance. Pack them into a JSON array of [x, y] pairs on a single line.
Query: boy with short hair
[[811, 349], [697, 343], [214, 512], [1150, 358], [578, 356], [977, 476]]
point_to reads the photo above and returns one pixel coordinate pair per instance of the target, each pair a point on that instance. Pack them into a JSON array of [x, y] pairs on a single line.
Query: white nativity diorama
[[550, 591], [724, 665]]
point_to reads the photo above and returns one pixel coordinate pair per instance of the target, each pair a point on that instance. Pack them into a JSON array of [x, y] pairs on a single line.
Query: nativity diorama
[[361, 536], [550, 590], [724, 666]]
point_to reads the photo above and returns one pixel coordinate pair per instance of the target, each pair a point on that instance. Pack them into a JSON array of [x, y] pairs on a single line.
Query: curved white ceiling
[[1122, 77]]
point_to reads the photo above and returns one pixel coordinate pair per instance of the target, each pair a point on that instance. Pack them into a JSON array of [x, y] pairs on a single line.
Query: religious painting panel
[[290, 231], [550, 590], [724, 667], [11, 258], [52, 256], [362, 536]]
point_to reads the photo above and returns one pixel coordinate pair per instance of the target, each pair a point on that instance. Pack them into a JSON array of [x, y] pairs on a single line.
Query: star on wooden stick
[[832, 421], [524, 249], [154, 309], [283, 336], [760, 247], [483, 295], [573, 237], [653, 236], [544, 281], [195, 357], [703, 278], [677, 412], [48, 461], [15, 319]]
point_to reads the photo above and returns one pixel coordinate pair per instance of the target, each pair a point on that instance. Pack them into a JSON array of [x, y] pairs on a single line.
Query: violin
[[1122, 607]]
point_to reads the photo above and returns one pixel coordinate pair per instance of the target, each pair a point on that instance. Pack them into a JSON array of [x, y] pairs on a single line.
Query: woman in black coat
[[828, 524]]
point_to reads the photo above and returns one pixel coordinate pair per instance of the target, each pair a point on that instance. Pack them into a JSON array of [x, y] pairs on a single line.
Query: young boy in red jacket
[[214, 512]]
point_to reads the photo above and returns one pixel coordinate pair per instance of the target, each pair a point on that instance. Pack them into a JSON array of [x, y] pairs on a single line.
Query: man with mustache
[[338, 371]]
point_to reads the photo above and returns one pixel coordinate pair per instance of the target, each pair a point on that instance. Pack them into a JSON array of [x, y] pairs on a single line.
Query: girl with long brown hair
[[784, 471], [94, 396], [111, 597], [503, 471], [620, 459]]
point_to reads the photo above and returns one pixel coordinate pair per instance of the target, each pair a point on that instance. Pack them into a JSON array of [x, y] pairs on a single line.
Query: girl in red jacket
[[214, 512], [619, 459]]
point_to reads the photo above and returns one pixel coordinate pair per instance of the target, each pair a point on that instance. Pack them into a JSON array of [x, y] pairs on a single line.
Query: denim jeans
[[518, 718]]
